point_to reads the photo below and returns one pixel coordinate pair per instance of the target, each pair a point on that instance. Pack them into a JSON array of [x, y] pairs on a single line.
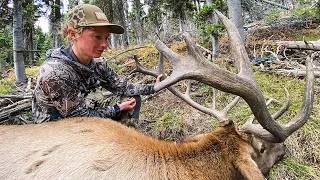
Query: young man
[[69, 73]]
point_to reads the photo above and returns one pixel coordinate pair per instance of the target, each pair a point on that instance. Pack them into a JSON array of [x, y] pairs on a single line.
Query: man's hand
[[159, 78], [127, 104]]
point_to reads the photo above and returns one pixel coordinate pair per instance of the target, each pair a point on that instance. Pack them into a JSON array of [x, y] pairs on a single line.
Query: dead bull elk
[[96, 148]]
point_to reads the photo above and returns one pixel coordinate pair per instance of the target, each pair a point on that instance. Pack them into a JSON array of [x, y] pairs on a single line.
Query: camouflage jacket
[[63, 83]]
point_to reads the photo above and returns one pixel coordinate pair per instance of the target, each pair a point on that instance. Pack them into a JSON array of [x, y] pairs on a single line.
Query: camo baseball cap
[[85, 15]]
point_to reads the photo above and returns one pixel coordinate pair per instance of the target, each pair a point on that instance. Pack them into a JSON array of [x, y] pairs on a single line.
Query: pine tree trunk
[[55, 23], [235, 15], [139, 23], [113, 41], [122, 20], [181, 28], [17, 42], [214, 37], [31, 46]]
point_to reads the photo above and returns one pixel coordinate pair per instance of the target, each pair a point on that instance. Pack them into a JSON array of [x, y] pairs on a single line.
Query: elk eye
[[262, 150]]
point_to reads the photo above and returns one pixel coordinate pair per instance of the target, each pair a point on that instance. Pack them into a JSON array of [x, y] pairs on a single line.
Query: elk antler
[[220, 115], [195, 66]]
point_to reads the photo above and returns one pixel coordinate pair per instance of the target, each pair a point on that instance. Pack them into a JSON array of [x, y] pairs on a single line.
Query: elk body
[[96, 148]]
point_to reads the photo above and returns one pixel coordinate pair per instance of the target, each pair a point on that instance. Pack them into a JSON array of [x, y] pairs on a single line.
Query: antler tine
[[237, 48], [193, 49], [231, 104], [174, 58], [214, 98], [160, 64], [279, 113], [298, 121], [284, 108], [307, 104], [256, 102], [221, 116], [252, 118], [141, 69], [188, 87]]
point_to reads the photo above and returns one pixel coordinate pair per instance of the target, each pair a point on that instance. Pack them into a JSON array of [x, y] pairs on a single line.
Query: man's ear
[[71, 33]]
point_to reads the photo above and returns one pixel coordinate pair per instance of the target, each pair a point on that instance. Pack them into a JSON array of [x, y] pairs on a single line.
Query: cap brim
[[114, 28]]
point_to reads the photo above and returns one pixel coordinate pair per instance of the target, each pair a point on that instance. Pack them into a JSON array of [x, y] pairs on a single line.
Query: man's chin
[[97, 55]]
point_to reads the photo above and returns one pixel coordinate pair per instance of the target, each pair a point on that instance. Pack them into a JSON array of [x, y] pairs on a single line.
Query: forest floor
[[167, 117]]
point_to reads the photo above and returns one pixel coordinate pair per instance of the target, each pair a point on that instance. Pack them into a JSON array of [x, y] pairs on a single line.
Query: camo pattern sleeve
[[59, 87], [119, 86]]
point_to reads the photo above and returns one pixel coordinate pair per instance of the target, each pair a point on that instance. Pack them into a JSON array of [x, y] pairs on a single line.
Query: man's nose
[[104, 44]]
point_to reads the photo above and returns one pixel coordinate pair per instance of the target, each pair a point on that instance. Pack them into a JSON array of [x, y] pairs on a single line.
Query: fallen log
[[15, 104], [276, 4], [306, 45], [8, 113], [26, 96], [296, 72]]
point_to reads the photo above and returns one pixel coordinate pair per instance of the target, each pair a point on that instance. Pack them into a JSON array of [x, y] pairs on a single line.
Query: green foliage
[[6, 85], [116, 67], [297, 170], [317, 8], [6, 54], [169, 119], [204, 19], [212, 29], [273, 14], [32, 71], [43, 42], [179, 8], [5, 14], [308, 35], [305, 12], [206, 11]]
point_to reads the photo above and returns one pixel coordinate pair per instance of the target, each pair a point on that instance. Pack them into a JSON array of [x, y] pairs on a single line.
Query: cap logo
[[101, 16]]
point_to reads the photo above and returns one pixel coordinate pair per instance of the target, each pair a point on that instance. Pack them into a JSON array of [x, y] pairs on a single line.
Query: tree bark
[[123, 22], [138, 21], [235, 15], [17, 42], [214, 37], [55, 22], [113, 41]]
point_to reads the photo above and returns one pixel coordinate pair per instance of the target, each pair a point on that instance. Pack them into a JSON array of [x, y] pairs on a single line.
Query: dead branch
[[26, 96], [29, 84], [306, 45], [276, 4], [113, 57], [296, 72], [4, 102], [15, 104], [8, 113]]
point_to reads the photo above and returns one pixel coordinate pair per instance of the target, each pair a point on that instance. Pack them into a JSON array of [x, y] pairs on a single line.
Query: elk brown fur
[[96, 148]]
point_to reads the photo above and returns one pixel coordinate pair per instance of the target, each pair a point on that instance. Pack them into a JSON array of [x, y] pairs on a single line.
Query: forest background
[[144, 21]]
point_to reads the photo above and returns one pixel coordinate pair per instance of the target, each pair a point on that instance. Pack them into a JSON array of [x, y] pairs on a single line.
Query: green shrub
[[169, 119], [6, 85]]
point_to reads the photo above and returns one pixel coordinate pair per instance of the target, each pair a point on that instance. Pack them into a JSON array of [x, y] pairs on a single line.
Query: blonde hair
[[64, 30]]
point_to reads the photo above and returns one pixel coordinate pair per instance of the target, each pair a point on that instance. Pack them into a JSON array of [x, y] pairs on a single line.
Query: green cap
[[84, 15]]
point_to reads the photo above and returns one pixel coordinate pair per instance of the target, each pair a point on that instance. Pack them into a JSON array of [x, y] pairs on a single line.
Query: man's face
[[92, 42]]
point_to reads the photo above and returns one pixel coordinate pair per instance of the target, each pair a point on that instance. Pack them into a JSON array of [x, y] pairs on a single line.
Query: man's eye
[[98, 37]]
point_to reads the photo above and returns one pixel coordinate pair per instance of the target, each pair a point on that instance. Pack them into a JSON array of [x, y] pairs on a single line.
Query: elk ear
[[248, 168]]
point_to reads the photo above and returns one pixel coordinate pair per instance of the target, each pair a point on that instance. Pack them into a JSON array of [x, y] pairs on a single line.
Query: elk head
[[268, 136]]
